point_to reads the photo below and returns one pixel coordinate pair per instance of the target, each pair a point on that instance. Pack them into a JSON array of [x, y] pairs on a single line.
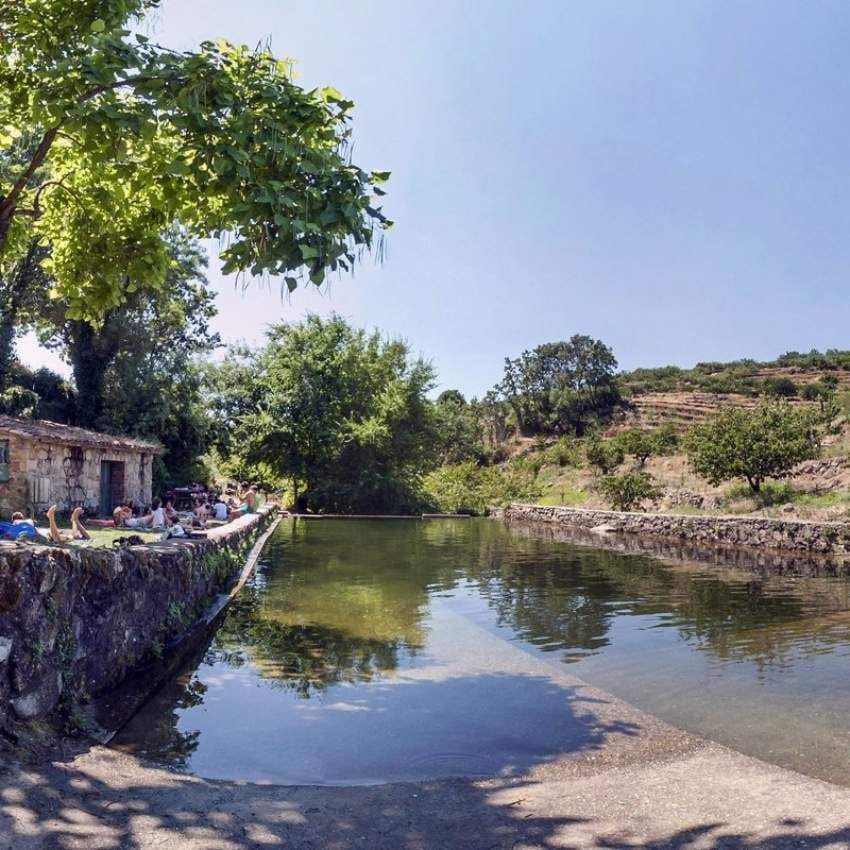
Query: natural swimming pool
[[383, 650]]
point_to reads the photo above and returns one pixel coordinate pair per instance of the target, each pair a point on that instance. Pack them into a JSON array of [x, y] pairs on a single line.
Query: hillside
[[680, 398]]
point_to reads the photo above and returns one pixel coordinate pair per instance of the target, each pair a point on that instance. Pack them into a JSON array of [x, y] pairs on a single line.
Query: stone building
[[44, 463]]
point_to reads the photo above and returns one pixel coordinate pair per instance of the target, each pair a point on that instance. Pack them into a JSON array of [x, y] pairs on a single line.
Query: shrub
[[469, 488], [564, 452], [604, 456], [627, 492], [780, 387]]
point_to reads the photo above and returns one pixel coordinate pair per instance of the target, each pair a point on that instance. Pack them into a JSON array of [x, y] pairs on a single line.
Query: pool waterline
[[371, 651]]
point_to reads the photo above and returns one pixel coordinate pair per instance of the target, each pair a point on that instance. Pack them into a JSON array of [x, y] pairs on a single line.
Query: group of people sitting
[[162, 515], [159, 516]]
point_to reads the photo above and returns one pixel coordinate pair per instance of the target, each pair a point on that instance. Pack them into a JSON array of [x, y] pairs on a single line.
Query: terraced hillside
[[682, 409]]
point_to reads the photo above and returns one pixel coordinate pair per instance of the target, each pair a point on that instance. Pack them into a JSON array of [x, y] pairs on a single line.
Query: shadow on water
[[401, 729]]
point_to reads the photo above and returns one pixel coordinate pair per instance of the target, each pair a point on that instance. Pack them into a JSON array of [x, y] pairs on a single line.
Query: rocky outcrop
[[782, 535], [75, 620]]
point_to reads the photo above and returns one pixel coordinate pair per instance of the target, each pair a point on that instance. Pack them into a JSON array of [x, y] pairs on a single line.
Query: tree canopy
[[341, 413], [107, 140], [755, 444], [561, 387]]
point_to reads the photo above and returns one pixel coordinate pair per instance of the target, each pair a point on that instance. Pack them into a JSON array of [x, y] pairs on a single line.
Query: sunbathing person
[[78, 532], [249, 506]]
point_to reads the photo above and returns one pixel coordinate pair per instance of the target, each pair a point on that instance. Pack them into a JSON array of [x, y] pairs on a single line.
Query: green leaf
[[379, 176], [291, 283], [98, 25], [308, 252]]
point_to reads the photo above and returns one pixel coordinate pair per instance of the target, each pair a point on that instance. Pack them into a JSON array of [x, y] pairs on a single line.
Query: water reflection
[[304, 658], [344, 616]]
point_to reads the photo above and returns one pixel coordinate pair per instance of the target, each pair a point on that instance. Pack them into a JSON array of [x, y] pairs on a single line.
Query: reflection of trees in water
[[768, 620], [163, 739], [301, 658], [341, 601]]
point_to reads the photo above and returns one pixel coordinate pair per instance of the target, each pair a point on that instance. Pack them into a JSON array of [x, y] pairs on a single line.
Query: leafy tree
[[628, 491], [55, 395], [107, 140], [638, 443], [123, 366], [561, 386], [458, 427], [492, 414], [643, 444], [755, 444], [604, 455], [21, 288], [343, 414]]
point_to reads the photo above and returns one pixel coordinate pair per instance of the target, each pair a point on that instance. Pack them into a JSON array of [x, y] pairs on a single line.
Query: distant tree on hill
[[561, 387], [755, 444]]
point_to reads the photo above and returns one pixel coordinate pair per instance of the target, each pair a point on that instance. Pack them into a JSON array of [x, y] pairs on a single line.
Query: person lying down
[[78, 531]]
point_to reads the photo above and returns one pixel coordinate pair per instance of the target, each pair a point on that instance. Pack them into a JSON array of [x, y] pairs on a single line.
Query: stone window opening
[[4, 460]]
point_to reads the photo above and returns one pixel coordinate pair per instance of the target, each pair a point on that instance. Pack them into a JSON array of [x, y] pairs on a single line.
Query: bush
[[627, 492], [604, 456], [469, 488], [781, 387], [564, 452]]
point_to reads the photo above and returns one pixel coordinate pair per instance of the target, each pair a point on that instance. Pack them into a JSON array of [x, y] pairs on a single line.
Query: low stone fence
[[74, 620], [777, 534]]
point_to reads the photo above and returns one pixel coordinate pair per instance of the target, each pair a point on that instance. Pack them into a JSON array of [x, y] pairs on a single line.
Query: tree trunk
[[7, 347], [91, 352]]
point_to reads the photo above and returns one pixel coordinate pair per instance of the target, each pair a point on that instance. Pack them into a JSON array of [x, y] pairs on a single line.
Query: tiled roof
[[54, 432]]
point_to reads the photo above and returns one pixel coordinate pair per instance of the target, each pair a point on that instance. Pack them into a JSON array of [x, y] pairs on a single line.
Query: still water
[[374, 651]]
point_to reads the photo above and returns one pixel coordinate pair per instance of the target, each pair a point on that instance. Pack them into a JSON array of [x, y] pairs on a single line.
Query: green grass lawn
[[103, 537]]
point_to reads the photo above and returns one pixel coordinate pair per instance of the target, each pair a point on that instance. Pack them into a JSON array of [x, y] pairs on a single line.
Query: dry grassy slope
[[685, 407], [819, 489]]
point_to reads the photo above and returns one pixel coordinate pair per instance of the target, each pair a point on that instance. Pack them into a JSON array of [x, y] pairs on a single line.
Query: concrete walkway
[[706, 797]]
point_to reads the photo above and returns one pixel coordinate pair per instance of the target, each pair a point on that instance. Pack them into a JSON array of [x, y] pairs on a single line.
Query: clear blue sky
[[670, 176]]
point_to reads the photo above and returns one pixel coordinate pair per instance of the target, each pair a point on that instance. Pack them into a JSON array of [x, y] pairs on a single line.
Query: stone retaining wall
[[777, 534], [75, 620], [765, 562]]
